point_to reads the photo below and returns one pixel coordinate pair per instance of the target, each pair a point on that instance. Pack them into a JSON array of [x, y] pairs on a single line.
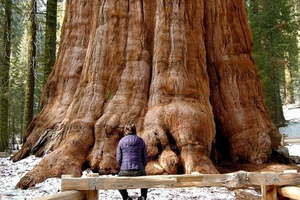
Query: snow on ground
[[292, 130], [292, 115], [12, 172]]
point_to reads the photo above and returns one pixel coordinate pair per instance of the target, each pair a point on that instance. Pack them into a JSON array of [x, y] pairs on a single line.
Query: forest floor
[[12, 172]]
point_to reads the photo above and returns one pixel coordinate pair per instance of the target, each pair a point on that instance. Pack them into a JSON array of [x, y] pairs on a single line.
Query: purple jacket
[[132, 153]]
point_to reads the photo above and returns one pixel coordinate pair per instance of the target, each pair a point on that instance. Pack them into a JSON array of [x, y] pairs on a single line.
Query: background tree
[[160, 65], [17, 71], [50, 41], [19, 44], [31, 65], [296, 60], [275, 51], [291, 72], [4, 74]]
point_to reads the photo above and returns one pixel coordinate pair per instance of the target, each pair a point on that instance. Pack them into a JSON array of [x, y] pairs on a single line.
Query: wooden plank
[[278, 179], [242, 178], [290, 192], [192, 178], [75, 184], [114, 183], [67, 195], [238, 179], [218, 180], [292, 140], [3, 154], [163, 181], [286, 137], [71, 183]]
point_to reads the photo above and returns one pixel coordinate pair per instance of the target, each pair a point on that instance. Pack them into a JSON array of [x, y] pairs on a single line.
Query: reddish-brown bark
[[236, 93], [171, 67]]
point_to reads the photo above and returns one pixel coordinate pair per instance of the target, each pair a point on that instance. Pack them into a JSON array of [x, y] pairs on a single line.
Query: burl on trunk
[[180, 70]]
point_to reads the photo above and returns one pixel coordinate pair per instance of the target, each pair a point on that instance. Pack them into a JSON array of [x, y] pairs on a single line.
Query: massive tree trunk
[[174, 68], [236, 93]]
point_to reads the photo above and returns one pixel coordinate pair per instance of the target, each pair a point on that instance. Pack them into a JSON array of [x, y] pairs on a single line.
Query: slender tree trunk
[[50, 41], [169, 66], [276, 109], [289, 86], [4, 71], [31, 64], [297, 10], [279, 120]]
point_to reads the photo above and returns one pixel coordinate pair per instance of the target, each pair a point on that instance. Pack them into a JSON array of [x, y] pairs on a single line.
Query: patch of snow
[[292, 115], [12, 172], [292, 130], [294, 149]]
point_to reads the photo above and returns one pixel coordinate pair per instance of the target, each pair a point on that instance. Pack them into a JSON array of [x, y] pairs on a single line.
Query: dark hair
[[130, 129]]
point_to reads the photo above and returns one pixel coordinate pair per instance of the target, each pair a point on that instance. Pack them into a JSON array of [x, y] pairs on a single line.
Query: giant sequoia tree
[[180, 70]]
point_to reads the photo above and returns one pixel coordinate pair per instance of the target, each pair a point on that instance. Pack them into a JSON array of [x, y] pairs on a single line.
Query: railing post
[[92, 194], [269, 192]]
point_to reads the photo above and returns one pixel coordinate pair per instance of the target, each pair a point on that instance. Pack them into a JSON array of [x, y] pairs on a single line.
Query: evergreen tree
[[31, 65], [296, 58], [274, 33], [292, 55], [17, 69], [4, 74], [50, 42]]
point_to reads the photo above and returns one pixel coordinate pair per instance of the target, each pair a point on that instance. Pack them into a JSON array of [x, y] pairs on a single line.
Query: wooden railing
[[3, 154], [289, 140], [7, 153], [272, 184], [294, 140]]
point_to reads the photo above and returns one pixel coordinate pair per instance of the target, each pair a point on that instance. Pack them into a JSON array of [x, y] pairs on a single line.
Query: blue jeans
[[139, 172]]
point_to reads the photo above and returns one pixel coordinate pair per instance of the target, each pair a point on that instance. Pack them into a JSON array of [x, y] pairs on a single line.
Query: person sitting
[[132, 158]]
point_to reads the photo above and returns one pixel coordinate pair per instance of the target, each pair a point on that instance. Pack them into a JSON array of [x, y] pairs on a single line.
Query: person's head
[[130, 129]]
